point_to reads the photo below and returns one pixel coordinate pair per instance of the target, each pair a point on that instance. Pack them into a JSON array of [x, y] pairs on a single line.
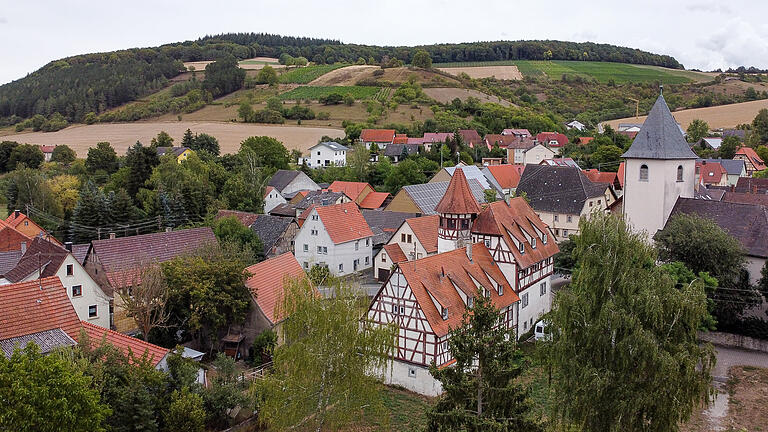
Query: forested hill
[[93, 83]]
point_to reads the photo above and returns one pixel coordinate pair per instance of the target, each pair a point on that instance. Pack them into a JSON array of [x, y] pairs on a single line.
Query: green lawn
[[257, 62], [305, 74], [602, 71], [316, 92]]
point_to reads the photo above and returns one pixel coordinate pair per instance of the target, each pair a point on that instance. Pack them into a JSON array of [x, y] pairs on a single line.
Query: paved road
[[727, 357]]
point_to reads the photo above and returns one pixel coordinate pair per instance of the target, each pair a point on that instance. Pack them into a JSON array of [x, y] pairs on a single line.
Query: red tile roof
[[130, 346], [266, 282], [11, 238], [425, 229], [25, 225], [517, 219], [546, 137], [344, 222], [509, 141], [245, 218], [374, 200], [596, 176], [750, 153], [400, 139], [47, 148], [395, 252], [508, 176], [350, 189], [470, 137], [620, 174], [435, 276], [711, 172], [458, 198], [377, 135], [27, 309], [585, 140]]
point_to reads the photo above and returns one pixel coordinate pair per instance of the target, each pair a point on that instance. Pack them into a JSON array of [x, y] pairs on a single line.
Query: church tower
[[660, 167], [458, 209]]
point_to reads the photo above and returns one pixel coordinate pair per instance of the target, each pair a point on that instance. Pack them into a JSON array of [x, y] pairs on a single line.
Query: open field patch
[[316, 92], [345, 76], [447, 94], [500, 72], [124, 135], [306, 74], [254, 63], [723, 116]]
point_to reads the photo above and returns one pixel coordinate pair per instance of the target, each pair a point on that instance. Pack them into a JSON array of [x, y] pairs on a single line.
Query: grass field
[[316, 92], [306, 74], [602, 71], [723, 116]]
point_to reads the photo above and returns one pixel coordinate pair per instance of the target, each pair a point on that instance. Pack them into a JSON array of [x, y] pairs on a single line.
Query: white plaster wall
[[396, 373], [343, 253], [272, 200], [320, 154], [301, 182], [538, 304], [537, 154], [92, 293]]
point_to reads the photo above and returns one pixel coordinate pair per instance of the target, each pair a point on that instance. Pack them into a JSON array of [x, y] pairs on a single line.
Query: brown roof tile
[[266, 282], [395, 253], [350, 189], [458, 198], [40, 255], [377, 135], [746, 198], [344, 222], [25, 308], [425, 229]]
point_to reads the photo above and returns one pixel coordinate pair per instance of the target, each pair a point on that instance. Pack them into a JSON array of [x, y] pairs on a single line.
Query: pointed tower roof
[[660, 137], [458, 198]]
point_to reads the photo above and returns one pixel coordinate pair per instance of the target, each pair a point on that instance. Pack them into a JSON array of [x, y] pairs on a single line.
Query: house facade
[[751, 160], [288, 182], [381, 137], [416, 238], [272, 199], [327, 154], [336, 237]]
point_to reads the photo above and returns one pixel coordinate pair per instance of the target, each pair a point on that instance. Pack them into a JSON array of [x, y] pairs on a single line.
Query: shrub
[[262, 347], [323, 115]]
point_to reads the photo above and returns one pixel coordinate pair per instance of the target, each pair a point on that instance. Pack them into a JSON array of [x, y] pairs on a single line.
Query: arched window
[[644, 172], [679, 173]]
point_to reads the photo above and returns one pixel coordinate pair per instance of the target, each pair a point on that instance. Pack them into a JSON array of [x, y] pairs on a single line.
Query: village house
[[326, 154], [336, 237], [734, 167], [381, 137], [320, 198], [289, 182], [752, 185], [383, 224], [114, 262], [416, 238], [422, 198], [500, 251], [575, 124], [711, 174], [516, 132], [44, 259], [553, 140], [180, 153], [12, 240], [25, 225], [277, 234], [660, 167], [398, 152], [471, 138], [561, 196], [751, 160], [356, 191], [431, 138], [272, 199], [560, 162], [712, 143], [504, 177]]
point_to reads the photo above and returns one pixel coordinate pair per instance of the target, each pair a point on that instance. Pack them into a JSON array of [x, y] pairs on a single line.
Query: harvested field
[[500, 72], [723, 116], [346, 76], [124, 135], [447, 94], [254, 63]]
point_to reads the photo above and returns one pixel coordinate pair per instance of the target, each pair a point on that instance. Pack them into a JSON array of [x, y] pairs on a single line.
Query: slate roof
[[46, 340], [458, 199], [9, 260], [386, 220], [245, 218], [660, 137], [746, 198], [425, 229], [319, 198], [748, 223], [558, 189], [176, 151], [470, 172], [269, 229], [741, 133], [733, 166], [427, 195], [396, 150], [377, 135], [283, 210], [282, 178], [751, 185], [26, 309], [374, 200], [266, 282], [40, 254], [344, 222]]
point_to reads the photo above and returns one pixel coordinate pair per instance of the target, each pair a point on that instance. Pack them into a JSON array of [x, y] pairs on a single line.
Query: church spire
[[660, 137]]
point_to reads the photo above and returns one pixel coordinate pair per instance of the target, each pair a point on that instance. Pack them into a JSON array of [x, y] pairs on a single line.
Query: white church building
[[660, 168]]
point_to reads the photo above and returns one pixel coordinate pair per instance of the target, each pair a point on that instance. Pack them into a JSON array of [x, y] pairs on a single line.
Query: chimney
[[23, 247], [68, 246], [111, 236], [168, 229], [469, 251], [16, 213]]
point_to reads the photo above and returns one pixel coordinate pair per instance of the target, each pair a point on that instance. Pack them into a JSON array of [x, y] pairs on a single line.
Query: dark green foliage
[[269, 151], [760, 125], [63, 154], [697, 130], [262, 347], [29, 155], [481, 388], [320, 275], [186, 412], [140, 160], [565, 262], [405, 173], [205, 142], [229, 229], [162, 140], [267, 75], [28, 186], [223, 76], [225, 393], [728, 147], [102, 158], [332, 99], [6, 147], [422, 59]]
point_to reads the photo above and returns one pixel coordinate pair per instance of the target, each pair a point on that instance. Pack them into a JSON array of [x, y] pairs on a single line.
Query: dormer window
[[470, 301], [501, 290], [445, 313], [522, 248], [533, 243], [643, 173], [544, 238]]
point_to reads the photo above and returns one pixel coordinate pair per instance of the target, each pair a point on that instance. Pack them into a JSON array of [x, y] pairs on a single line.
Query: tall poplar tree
[[625, 355]]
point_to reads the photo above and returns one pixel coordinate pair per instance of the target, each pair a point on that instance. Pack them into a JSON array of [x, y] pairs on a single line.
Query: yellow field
[[447, 94], [254, 63], [500, 72], [124, 135], [724, 116]]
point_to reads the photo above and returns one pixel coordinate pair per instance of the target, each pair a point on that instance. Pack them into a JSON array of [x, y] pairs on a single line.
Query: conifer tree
[[188, 139]]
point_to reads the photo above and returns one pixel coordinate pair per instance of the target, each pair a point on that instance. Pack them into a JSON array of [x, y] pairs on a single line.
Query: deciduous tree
[[422, 59], [697, 130], [143, 294], [29, 155], [63, 154], [102, 157]]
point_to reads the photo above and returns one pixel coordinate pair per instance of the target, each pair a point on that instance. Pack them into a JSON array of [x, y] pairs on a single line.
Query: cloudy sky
[[703, 34]]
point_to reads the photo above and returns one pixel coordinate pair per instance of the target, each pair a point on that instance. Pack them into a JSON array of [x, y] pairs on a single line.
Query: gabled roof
[[561, 162], [660, 137], [400, 139], [25, 308], [331, 145], [470, 137], [26, 226], [437, 137], [266, 282], [751, 154], [746, 222], [710, 173], [267, 190], [283, 210], [377, 135], [395, 253], [752, 185], [510, 141], [546, 137], [439, 277], [344, 222], [374, 200], [470, 172], [176, 151], [122, 253], [245, 218], [41, 255], [387, 221], [269, 229], [426, 196], [350, 189], [128, 345], [425, 229], [745, 198], [458, 198], [46, 340], [732, 166], [712, 142], [319, 198], [596, 176], [508, 220], [507, 176], [79, 251], [397, 150], [517, 132], [283, 178], [558, 189]]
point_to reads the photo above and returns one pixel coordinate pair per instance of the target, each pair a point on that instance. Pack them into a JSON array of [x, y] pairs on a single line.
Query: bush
[[268, 116], [332, 99], [262, 347], [299, 113], [323, 115], [378, 72]]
